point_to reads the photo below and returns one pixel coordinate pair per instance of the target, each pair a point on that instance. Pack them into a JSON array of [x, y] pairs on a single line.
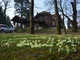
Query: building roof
[[44, 13], [19, 20]]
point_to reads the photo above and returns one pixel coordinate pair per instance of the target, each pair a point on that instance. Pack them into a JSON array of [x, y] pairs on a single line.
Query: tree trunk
[[32, 17], [74, 24], [21, 13], [64, 29], [57, 15]]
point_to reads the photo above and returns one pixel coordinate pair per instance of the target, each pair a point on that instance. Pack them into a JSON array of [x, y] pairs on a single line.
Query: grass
[[53, 31], [47, 31], [21, 46]]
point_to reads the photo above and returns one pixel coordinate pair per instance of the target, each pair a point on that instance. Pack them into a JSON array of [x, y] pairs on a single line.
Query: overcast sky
[[39, 6], [10, 11]]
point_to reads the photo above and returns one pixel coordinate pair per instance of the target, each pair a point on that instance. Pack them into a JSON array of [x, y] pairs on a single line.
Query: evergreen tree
[[4, 20], [22, 8]]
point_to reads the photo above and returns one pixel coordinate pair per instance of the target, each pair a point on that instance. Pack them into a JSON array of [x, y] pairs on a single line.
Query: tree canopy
[[22, 8]]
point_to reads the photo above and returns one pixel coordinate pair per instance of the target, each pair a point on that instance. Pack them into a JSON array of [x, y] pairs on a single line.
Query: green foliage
[[39, 47]]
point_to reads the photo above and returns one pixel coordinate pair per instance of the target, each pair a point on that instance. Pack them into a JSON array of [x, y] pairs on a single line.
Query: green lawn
[[48, 31], [20, 46]]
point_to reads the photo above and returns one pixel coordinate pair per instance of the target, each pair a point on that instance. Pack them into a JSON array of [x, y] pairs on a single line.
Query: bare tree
[[62, 17], [6, 5], [58, 20], [72, 12], [74, 24]]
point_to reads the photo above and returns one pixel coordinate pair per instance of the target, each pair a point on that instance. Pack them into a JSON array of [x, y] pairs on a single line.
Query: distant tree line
[[25, 8], [66, 9], [4, 19]]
